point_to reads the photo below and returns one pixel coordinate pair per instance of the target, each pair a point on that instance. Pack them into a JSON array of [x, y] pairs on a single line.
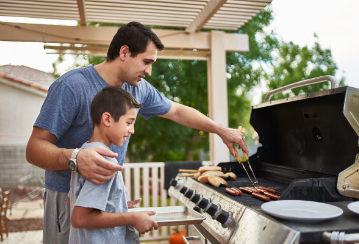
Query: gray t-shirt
[[109, 197], [66, 114]]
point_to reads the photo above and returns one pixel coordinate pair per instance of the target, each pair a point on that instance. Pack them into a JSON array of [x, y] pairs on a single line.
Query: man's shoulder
[[73, 77]]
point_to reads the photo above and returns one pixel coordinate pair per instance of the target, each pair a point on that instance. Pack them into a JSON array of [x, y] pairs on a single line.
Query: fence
[[146, 181]]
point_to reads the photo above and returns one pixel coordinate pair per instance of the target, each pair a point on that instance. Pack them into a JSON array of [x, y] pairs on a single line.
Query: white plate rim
[[353, 207], [264, 206]]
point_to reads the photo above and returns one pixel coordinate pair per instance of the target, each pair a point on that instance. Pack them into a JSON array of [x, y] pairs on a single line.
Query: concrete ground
[[32, 210]]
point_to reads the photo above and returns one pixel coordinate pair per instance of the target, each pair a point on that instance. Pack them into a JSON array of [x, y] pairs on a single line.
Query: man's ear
[[124, 52], [106, 119]]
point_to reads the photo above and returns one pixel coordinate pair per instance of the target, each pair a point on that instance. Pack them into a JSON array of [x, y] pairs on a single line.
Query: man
[[64, 123]]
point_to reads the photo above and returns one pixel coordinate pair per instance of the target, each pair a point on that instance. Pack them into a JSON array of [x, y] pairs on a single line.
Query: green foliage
[[182, 81], [300, 63], [245, 70]]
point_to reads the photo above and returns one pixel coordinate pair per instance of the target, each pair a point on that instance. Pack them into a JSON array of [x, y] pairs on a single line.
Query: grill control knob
[[196, 198], [204, 203], [173, 182], [225, 218], [184, 189], [189, 193], [212, 209], [197, 209]]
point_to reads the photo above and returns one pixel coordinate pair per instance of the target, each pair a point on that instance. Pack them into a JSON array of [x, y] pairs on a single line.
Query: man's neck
[[109, 72]]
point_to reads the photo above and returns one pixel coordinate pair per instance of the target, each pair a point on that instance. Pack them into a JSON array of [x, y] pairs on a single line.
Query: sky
[[336, 22]]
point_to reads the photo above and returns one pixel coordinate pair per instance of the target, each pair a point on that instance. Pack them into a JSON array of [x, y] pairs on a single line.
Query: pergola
[[191, 16]]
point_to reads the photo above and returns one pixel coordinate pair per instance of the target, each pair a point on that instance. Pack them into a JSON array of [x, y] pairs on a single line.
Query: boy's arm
[[90, 218]]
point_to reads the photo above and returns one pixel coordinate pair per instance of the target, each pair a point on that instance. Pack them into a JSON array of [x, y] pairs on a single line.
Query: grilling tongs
[[247, 160]]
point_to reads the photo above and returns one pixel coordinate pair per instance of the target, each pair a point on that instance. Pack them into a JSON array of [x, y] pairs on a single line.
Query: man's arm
[[89, 218], [42, 152], [191, 117]]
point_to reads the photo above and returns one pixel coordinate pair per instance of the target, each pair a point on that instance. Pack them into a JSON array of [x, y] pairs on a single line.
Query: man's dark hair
[[136, 36], [114, 100]]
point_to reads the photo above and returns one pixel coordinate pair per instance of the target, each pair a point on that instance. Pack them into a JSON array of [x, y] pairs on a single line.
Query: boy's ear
[[106, 119]]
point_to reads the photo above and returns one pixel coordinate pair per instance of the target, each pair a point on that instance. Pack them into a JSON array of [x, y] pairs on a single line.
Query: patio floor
[[33, 210]]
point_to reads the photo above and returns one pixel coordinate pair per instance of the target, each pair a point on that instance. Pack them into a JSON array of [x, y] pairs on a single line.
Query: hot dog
[[239, 191], [246, 190], [267, 189], [254, 189], [231, 191], [260, 196], [271, 195], [261, 190]]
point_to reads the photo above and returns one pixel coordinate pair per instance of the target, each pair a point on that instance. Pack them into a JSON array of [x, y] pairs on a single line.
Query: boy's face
[[136, 68], [123, 128]]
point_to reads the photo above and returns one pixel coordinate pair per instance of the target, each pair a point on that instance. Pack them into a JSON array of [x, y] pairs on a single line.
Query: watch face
[[72, 165]]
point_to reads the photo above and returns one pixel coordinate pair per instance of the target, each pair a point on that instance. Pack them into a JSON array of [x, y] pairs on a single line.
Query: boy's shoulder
[[99, 144]]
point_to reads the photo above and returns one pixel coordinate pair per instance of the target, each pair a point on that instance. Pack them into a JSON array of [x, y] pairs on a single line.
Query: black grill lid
[[309, 132]]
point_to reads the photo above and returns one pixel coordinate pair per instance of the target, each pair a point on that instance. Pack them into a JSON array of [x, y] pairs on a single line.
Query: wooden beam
[[209, 10], [217, 95], [102, 35], [82, 11], [102, 52]]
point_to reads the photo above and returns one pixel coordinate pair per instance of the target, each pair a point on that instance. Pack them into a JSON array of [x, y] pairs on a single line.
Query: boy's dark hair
[[114, 100], [136, 36]]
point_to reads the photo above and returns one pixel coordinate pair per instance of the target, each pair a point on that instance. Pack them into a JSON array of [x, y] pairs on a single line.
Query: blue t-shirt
[[109, 197], [66, 114]]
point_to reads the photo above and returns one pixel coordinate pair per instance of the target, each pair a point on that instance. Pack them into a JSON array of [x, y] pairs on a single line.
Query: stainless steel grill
[[310, 151]]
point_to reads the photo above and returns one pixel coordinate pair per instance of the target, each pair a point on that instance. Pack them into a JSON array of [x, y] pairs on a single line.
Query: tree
[[300, 63]]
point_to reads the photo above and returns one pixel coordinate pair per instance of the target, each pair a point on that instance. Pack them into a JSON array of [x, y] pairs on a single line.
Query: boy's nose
[[132, 130]]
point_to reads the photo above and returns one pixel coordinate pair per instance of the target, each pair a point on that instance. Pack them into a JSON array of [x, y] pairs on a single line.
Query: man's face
[[136, 68], [123, 128]]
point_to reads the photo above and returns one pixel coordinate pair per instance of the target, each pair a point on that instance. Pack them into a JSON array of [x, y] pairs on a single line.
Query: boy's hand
[[132, 204], [142, 221], [96, 168]]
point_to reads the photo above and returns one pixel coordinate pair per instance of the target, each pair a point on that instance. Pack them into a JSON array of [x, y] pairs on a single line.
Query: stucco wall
[[19, 108]]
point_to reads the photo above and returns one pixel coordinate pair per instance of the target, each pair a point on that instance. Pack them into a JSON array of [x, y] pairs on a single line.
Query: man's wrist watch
[[73, 160]]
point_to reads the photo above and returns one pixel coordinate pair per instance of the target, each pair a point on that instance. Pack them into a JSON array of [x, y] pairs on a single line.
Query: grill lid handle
[[334, 83], [340, 237]]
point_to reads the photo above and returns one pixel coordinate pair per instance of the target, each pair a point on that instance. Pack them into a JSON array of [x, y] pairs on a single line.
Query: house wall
[[19, 108]]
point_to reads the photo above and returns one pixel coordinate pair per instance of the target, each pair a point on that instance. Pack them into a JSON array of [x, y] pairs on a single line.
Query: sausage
[[231, 191], [271, 195], [239, 191], [267, 189], [260, 196], [254, 189], [261, 190], [246, 190]]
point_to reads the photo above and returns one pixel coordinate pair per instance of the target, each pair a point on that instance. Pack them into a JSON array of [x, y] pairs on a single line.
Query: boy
[[99, 213]]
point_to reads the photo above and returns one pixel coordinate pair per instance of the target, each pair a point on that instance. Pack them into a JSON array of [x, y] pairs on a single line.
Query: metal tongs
[[247, 160]]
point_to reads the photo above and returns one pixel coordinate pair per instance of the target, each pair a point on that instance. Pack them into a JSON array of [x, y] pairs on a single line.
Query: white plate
[[354, 207], [301, 211]]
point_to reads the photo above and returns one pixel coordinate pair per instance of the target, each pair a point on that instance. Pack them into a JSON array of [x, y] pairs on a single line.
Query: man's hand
[[96, 168], [142, 221], [132, 204], [231, 137]]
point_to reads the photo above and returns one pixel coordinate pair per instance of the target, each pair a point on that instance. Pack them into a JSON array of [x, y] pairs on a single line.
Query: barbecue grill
[[309, 151]]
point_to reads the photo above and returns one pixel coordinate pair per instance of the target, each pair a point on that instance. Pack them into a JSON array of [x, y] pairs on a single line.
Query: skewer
[[247, 159], [240, 162]]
